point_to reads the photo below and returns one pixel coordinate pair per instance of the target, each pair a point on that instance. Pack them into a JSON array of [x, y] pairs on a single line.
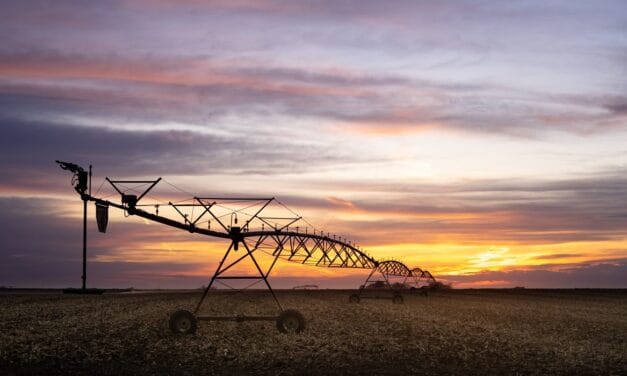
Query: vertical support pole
[[84, 276], [405, 280], [265, 278], [279, 248], [215, 275], [363, 287], [85, 199]]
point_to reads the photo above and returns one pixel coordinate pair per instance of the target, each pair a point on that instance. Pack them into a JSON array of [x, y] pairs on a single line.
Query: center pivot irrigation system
[[259, 227]]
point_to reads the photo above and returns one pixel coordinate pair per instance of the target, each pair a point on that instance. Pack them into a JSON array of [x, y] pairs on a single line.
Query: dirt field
[[453, 332]]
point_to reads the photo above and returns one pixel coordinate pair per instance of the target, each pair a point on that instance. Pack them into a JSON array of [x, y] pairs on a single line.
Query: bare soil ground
[[450, 332]]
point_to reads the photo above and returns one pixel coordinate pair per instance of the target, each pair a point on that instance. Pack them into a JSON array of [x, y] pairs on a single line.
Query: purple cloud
[[603, 274]]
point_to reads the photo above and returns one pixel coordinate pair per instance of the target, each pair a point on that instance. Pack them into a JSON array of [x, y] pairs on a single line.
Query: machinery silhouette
[[257, 226]]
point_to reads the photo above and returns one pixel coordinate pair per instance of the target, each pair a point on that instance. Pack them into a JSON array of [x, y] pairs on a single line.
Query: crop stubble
[[454, 332]]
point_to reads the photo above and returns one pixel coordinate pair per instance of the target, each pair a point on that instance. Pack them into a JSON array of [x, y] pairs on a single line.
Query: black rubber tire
[[397, 299], [183, 322], [354, 298], [290, 321]]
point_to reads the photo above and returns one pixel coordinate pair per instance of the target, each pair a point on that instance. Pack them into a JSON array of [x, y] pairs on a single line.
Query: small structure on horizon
[[305, 287]]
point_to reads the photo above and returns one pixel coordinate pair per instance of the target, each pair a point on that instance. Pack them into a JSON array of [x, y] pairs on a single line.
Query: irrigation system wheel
[[397, 299], [183, 322], [354, 298], [290, 321]]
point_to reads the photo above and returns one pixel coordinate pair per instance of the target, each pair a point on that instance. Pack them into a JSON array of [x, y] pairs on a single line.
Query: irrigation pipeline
[[254, 224]]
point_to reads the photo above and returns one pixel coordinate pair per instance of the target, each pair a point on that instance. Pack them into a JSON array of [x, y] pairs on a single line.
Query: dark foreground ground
[[452, 332]]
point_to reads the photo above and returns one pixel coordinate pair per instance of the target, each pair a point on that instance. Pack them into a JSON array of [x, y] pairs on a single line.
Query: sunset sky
[[484, 141]]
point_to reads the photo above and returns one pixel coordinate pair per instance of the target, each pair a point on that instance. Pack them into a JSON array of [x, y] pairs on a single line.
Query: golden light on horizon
[[442, 252]]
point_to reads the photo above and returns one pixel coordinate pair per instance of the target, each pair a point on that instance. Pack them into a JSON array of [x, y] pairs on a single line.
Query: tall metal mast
[[81, 182]]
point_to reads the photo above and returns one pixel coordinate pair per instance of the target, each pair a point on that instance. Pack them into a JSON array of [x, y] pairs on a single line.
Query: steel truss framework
[[253, 227], [422, 278], [394, 273], [396, 278]]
